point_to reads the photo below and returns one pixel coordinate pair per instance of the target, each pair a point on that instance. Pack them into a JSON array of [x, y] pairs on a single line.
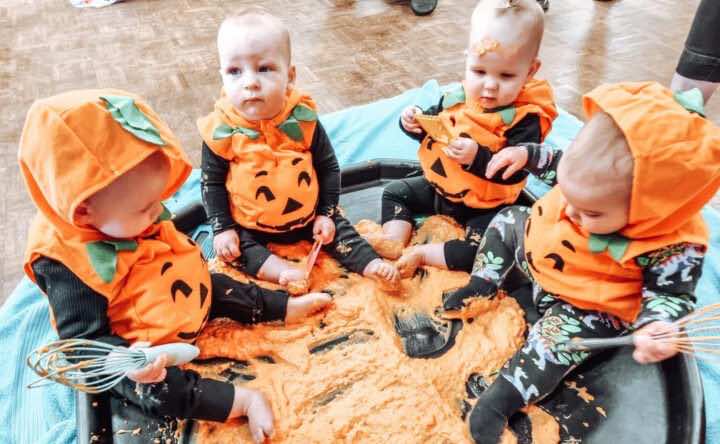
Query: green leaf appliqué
[[103, 256], [615, 244], [304, 114], [453, 97], [223, 131], [291, 127], [692, 100], [508, 115], [127, 114]]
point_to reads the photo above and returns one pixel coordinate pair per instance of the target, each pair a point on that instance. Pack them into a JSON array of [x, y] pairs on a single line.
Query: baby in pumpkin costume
[[616, 246], [499, 104], [269, 170], [102, 247]]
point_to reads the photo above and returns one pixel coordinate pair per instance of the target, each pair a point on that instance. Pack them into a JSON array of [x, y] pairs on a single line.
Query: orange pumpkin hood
[[77, 143], [676, 155], [72, 146]]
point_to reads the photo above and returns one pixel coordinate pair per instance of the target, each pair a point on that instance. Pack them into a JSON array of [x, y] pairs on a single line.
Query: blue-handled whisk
[[93, 366]]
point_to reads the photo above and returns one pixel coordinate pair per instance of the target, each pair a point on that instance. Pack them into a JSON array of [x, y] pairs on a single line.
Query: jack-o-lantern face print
[[446, 175], [187, 299], [551, 258], [276, 192], [170, 294]]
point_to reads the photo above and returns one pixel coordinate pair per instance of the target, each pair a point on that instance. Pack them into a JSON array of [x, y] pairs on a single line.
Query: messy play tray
[[609, 399]]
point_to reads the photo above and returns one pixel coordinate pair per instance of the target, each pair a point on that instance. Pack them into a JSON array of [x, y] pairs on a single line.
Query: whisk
[[697, 334], [93, 366]]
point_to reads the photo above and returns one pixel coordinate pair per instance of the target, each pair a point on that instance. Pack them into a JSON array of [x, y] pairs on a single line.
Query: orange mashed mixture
[[358, 386]]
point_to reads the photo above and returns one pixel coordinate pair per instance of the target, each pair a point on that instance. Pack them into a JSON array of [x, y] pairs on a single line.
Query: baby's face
[[595, 203], [495, 73], [256, 71], [130, 204]]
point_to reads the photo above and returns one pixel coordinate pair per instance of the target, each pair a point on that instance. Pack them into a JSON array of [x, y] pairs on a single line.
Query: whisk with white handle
[[94, 366], [697, 334]]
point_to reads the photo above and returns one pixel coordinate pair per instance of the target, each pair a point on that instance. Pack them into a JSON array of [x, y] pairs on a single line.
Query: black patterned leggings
[[539, 366]]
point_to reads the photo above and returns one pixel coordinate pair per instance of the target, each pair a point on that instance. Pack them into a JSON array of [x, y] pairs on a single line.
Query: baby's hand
[[151, 373], [648, 349], [227, 245], [324, 229], [254, 405], [513, 157], [407, 120], [462, 150], [290, 274]]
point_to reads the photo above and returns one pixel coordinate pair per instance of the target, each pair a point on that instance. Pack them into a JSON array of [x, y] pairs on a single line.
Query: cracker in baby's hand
[[434, 127]]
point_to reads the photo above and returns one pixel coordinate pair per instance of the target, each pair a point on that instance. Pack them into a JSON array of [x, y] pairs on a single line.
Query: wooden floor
[[347, 52]]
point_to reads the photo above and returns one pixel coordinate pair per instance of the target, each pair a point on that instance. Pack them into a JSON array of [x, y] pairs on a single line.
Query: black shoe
[[545, 4], [476, 288], [423, 7]]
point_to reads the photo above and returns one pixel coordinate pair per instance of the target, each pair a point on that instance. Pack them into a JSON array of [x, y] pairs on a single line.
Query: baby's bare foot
[[260, 417], [385, 274], [301, 307], [385, 271], [411, 259]]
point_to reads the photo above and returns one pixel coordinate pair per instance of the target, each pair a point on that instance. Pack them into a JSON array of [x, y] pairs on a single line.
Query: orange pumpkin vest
[[464, 116], [77, 143], [272, 184], [676, 158]]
